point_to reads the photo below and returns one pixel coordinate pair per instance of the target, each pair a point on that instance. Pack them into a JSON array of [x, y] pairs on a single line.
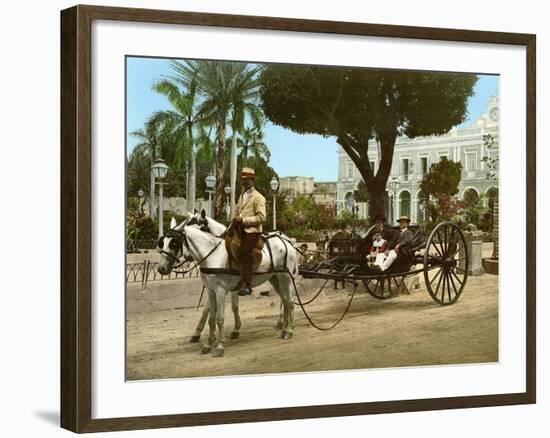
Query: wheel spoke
[[440, 240], [456, 251], [453, 282], [435, 276], [443, 286], [438, 284], [448, 286], [457, 279], [451, 241]]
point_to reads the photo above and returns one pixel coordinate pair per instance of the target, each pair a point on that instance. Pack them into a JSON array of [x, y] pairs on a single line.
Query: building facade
[[412, 159], [323, 192]]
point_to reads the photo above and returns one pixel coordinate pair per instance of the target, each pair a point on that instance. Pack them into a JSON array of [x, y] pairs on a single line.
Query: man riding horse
[[250, 214]]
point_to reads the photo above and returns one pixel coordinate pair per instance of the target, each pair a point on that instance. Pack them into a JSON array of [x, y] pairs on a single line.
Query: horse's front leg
[[235, 308], [202, 321], [212, 304], [220, 315]]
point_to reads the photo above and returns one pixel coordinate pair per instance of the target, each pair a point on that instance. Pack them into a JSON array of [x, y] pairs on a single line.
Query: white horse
[[190, 243], [210, 225]]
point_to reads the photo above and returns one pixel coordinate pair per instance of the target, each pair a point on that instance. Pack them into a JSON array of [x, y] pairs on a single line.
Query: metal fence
[[147, 271], [140, 245]]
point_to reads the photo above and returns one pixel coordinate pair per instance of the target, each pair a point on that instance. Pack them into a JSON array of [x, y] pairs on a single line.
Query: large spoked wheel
[[383, 288], [446, 263]]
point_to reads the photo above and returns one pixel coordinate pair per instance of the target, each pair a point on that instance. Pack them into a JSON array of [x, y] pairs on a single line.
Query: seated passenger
[[402, 239], [378, 246]]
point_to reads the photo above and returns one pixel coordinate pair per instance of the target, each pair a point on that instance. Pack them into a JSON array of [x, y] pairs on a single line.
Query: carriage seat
[[406, 254]]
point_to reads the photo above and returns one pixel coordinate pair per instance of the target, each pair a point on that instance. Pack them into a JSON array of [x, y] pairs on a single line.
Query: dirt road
[[408, 330]]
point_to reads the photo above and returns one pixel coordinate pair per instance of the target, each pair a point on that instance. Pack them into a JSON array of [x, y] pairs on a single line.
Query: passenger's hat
[[404, 218], [248, 172], [380, 217]]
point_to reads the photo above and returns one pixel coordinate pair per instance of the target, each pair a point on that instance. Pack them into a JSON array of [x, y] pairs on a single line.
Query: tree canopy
[[443, 178], [356, 105]]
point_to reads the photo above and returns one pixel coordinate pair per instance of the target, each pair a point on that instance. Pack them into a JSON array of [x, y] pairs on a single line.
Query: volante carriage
[[441, 256]]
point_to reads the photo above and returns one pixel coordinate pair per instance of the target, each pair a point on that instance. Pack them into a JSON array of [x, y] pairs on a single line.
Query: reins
[[284, 240], [180, 262]]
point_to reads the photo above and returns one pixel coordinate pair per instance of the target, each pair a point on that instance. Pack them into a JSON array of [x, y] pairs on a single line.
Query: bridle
[[182, 236]]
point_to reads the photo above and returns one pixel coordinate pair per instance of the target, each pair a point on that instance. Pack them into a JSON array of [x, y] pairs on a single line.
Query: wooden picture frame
[[76, 217]]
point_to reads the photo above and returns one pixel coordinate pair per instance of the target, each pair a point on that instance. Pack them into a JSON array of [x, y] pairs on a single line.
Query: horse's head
[[173, 248]]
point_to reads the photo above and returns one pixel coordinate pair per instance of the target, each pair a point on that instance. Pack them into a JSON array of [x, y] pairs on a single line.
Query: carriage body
[[441, 256]]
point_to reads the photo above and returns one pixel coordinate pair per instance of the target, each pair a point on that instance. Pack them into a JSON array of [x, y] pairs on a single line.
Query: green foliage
[[475, 212], [361, 194], [139, 229], [490, 161], [299, 217], [445, 208], [443, 178]]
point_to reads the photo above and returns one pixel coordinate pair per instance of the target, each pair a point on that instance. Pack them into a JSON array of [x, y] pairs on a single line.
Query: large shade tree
[[357, 105]]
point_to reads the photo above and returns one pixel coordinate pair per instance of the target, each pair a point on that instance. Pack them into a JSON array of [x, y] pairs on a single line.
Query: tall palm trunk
[[220, 161], [233, 176], [192, 173], [187, 188], [192, 180]]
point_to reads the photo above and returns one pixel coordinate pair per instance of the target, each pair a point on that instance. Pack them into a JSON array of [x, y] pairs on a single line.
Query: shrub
[[139, 229]]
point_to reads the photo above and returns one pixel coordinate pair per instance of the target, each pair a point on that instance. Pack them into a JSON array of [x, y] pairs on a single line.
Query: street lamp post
[[210, 182], [160, 169], [393, 192], [227, 191], [141, 193], [274, 184]]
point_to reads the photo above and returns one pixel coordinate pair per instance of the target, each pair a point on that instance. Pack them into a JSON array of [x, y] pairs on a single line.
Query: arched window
[[349, 202], [470, 196], [405, 203], [421, 212], [492, 196]]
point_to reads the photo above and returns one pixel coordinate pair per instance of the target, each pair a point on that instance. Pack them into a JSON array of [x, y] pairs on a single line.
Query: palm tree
[[184, 125], [229, 94], [214, 81], [251, 143], [244, 103], [148, 147]]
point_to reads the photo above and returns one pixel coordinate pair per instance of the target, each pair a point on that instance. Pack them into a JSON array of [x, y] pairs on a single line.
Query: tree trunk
[[376, 200], [192, 180], [188, 205], [233, 176], [220, 161], [376, 184]]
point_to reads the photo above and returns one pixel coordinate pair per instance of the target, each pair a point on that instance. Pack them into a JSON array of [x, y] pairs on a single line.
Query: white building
[[412, 159]]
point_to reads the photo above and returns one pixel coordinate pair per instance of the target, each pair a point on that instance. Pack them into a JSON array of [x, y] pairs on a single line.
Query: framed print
[[268, 218]]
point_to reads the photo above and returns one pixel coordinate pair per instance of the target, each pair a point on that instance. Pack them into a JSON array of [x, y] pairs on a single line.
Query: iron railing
[[147, 271]]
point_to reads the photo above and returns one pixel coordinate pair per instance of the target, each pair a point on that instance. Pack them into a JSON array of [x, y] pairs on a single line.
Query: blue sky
[[291, 154]]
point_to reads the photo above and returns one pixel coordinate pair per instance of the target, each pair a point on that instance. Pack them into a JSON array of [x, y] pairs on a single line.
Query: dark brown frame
[[76, 191]]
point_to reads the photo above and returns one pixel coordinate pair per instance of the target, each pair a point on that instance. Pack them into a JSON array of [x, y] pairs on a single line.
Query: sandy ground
[[408, 330]]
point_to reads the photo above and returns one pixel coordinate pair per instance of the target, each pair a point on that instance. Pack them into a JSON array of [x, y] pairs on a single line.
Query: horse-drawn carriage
[[441, 256]]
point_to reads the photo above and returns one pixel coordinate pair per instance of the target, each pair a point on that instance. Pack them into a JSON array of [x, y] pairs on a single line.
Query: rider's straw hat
[[248, 172]]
